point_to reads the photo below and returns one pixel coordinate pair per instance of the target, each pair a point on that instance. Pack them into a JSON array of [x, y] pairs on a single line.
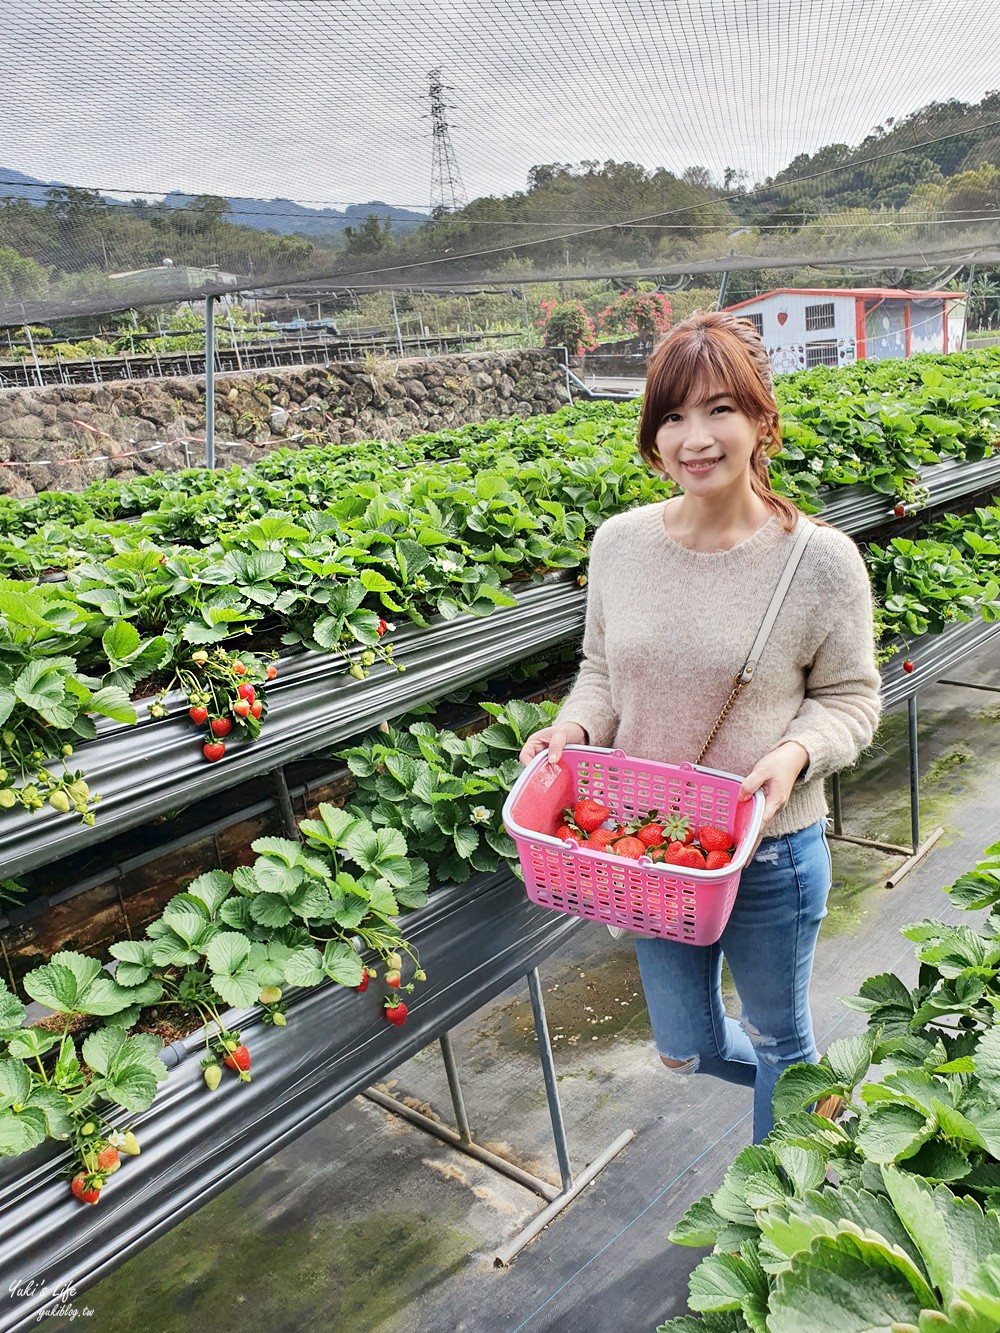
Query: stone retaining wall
[[110, 430]]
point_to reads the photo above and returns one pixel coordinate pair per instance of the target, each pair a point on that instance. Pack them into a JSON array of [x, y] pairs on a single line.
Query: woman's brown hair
[[707, 352]]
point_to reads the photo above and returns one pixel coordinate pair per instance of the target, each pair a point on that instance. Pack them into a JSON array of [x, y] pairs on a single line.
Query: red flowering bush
[[567, 324], [636, 313]]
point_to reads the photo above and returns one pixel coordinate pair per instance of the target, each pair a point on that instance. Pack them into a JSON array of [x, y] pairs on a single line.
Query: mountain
[[15, 185], [285, 216], [279, 215]]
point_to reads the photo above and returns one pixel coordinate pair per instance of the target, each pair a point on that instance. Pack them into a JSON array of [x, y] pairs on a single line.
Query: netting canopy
[[171, 149]]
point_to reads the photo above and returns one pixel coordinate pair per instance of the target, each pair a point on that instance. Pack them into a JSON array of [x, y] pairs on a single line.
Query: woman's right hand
[[554, 739]]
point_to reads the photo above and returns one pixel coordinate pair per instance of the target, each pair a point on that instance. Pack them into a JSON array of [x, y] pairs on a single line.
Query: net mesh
[[158, 153]]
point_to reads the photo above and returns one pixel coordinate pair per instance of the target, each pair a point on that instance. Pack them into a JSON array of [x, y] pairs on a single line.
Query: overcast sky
[[326, 101]]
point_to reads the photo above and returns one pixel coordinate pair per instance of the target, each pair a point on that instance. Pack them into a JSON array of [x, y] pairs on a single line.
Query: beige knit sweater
[[668, 628]]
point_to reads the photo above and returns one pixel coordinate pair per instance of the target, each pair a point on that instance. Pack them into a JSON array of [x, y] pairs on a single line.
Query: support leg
[[911, 720], [549, 1076], [838, 808], [284, 799], [455, 1087]]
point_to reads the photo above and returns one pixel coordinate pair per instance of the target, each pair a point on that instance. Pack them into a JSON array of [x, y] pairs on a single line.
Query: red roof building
[[804, 327]]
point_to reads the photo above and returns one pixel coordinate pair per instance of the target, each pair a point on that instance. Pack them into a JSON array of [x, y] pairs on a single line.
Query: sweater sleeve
[[589, 702], [840, 712]]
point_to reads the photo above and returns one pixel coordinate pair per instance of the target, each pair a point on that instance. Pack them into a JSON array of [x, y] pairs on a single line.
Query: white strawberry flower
[[480, 814], [116, 1138], [449, 567]]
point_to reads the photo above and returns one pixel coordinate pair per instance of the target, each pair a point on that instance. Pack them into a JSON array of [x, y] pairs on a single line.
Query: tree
[[208, 211], [20, 279], [371, 238]]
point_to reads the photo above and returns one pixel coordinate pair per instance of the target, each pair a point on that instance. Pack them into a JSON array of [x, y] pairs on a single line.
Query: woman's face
[[706, 446]]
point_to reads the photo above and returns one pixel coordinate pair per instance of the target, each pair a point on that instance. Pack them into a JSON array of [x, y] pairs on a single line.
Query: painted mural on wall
[[788, 357]]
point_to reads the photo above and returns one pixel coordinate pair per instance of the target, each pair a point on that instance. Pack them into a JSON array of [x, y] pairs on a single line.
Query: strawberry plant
[[887, 1218], [296, 917], [445, 792], [50, 1089]]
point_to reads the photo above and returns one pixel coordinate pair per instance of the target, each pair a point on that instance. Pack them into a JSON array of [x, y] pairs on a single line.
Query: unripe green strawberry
[[394, 962], [356, 671], [78, 790], [279, 1020], [213, 1076], [131, 1145], [7, 799], [59, 801], [269, 995], [368, 658]]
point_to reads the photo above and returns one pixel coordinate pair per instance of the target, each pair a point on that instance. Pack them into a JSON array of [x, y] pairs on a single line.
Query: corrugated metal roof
[[879, 292]]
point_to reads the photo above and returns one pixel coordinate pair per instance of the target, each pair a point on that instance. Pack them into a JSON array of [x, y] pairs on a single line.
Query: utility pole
[[447, 190]]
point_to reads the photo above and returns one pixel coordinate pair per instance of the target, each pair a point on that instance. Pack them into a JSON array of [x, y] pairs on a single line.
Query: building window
[[757, 321], [821, 354], [819, 317]]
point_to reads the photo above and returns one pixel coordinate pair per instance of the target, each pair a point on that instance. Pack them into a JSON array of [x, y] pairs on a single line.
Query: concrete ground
[[367, 1224]]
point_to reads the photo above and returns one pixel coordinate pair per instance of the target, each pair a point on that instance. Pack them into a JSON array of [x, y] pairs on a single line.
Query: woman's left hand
[[775, 775]]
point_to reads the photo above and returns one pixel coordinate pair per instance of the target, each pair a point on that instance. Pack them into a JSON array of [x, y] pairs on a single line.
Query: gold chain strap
[[737, 686]]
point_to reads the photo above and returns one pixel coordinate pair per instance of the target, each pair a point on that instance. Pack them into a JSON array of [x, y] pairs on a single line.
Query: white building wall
[[785, 334]]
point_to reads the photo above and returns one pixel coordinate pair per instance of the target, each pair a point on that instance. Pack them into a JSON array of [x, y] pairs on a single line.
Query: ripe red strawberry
[[716, 860], [220, 726], [86, 1187], [393, 978], [256, 708], [247, 692], [714, 839], [366, 976], [657, 853], [606, 836], [199, 716], [590, 815], [899, 510], [241, 708], [564, 831], [633, 848], [239, 1059], [594, 845], [678, 829], [213, 751], [651, 834], [680, 854], [395, 1012], [907, 666], [381, 627]]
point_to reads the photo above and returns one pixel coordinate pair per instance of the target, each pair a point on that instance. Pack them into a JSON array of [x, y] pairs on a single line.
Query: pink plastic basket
[[645, 896]]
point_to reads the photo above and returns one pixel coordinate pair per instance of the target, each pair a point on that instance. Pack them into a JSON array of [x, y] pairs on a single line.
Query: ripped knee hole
[[688, 1066]]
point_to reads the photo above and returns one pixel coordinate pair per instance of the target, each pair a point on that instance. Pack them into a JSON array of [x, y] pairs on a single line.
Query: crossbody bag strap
[[745, 675]]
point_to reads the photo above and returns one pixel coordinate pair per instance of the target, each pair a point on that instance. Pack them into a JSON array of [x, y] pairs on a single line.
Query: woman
[[677, 592]]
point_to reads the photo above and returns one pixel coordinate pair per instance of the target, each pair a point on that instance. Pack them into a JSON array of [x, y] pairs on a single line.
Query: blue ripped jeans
[[768, 942]]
